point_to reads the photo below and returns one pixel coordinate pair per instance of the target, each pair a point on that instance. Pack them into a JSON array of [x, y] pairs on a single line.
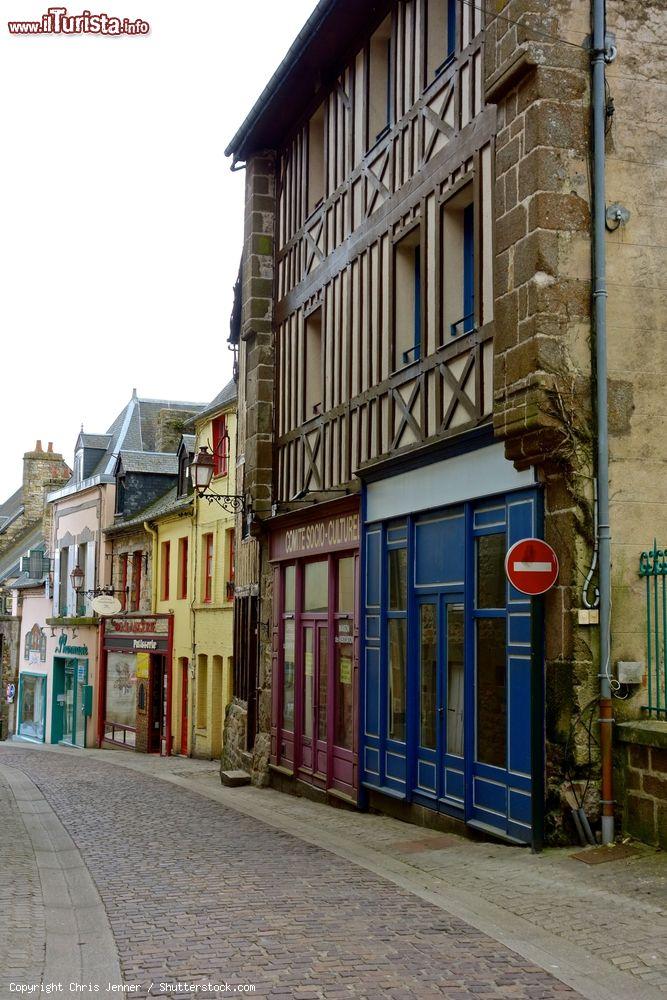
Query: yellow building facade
[[194, 581]]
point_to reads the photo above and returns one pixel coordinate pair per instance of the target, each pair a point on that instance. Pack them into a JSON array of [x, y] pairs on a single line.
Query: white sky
[[121, 223]]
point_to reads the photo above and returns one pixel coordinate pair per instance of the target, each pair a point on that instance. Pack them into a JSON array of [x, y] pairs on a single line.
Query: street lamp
[[201, 474], [77, 577], [201, 470]]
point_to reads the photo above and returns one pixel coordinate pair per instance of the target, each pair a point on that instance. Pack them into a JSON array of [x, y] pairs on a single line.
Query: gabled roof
[[134, 430], [187, 443], [332, 34], [225, 398], [158, 463]]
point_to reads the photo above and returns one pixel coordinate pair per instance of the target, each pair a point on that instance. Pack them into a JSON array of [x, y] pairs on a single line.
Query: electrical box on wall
[[630, 671], [588, 616]]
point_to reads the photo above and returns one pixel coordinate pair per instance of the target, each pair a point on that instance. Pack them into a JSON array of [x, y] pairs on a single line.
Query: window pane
[[398, 579], [491, 692], [346, 585], [290, 588], [428, 646], [491, 571], [455, 679], [398, 631], [288, 678], [323, 685], [308, 683], [316, 587], [32, 706], [344, 705], [121, 689]]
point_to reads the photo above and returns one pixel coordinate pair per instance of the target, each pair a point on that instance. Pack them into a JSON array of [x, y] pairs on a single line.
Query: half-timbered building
[[415, 384]]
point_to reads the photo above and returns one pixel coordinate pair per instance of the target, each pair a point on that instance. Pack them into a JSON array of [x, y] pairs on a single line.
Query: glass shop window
[[490, 571], [398, 579], [398, 642], [289, 652], [455, 677], [288, 675], [491, 690], [33, 706], [316, 587], [407, 299], [345, 588], [428, 646]]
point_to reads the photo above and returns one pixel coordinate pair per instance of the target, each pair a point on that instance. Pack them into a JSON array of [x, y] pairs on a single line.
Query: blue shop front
[[449, 672]]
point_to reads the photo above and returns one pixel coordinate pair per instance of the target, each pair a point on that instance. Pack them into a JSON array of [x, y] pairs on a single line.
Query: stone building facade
[[508, 112]]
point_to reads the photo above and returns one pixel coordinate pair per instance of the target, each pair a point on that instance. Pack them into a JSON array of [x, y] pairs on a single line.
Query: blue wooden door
[[439, 766], [498, 743]]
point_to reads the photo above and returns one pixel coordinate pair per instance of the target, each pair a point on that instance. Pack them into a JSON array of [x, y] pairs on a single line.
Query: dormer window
[[120, 494], [78, 465], [184, 480]]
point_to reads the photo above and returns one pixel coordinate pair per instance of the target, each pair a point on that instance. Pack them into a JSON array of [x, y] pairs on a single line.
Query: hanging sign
[[106, 604], [531, 566]]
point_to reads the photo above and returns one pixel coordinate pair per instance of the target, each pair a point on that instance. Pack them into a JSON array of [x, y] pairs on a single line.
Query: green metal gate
[[653, 567]]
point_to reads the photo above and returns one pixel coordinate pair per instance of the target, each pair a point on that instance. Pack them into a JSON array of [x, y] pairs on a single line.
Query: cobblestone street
[[198, 892]]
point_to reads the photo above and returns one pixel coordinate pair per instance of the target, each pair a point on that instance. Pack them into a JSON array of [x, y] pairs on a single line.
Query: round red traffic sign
[[531, 566]]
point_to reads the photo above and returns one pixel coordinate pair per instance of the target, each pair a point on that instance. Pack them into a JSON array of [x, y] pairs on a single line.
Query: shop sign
[[65, 650], [137, 635], [11, 693], [340, 531]]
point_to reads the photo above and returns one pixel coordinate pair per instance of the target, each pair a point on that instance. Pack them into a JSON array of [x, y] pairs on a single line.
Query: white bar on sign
[[532, 567]]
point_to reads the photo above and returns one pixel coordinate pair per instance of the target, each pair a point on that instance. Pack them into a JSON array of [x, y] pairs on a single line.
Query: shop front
[[449, 670], [72, 702], [314, 728], [32, 705], [135, 683]]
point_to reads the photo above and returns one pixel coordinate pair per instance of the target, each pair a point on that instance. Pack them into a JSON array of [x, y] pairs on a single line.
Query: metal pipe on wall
[[598, 98]]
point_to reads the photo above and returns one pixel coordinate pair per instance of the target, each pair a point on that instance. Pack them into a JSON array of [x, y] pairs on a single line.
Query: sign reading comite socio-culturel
[[340, 531]]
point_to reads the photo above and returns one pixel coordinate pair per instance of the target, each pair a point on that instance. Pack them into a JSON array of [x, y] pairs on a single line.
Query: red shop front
[[315, 559]]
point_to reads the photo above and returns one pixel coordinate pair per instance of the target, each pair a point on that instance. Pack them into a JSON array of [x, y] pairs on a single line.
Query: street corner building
[[447, 342]]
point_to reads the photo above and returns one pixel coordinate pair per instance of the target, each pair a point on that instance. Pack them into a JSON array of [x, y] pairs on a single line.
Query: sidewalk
[[602, 929]]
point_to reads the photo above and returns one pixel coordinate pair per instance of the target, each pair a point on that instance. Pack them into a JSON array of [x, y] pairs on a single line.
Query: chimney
[[38, 445], [50, 448]]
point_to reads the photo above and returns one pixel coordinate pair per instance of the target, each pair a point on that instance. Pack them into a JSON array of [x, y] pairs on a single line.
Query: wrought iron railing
[[653, 568]]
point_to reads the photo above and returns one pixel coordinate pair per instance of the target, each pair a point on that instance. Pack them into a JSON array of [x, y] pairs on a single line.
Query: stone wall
[[255, 446], [542, 290], [9, 668], [641, 776]]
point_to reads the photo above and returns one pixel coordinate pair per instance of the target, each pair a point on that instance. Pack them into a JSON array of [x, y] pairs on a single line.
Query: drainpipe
[[600, 311], [153, 533]]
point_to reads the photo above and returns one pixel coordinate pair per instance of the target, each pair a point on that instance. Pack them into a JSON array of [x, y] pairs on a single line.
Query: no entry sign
[[531, 566]]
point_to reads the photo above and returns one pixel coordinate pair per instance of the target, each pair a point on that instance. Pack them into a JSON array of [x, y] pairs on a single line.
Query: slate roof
[[11, 508], [226, 396], [159, 463], [25, 583], [134, 429], [188, 442], [97, 441], [169, 503]]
